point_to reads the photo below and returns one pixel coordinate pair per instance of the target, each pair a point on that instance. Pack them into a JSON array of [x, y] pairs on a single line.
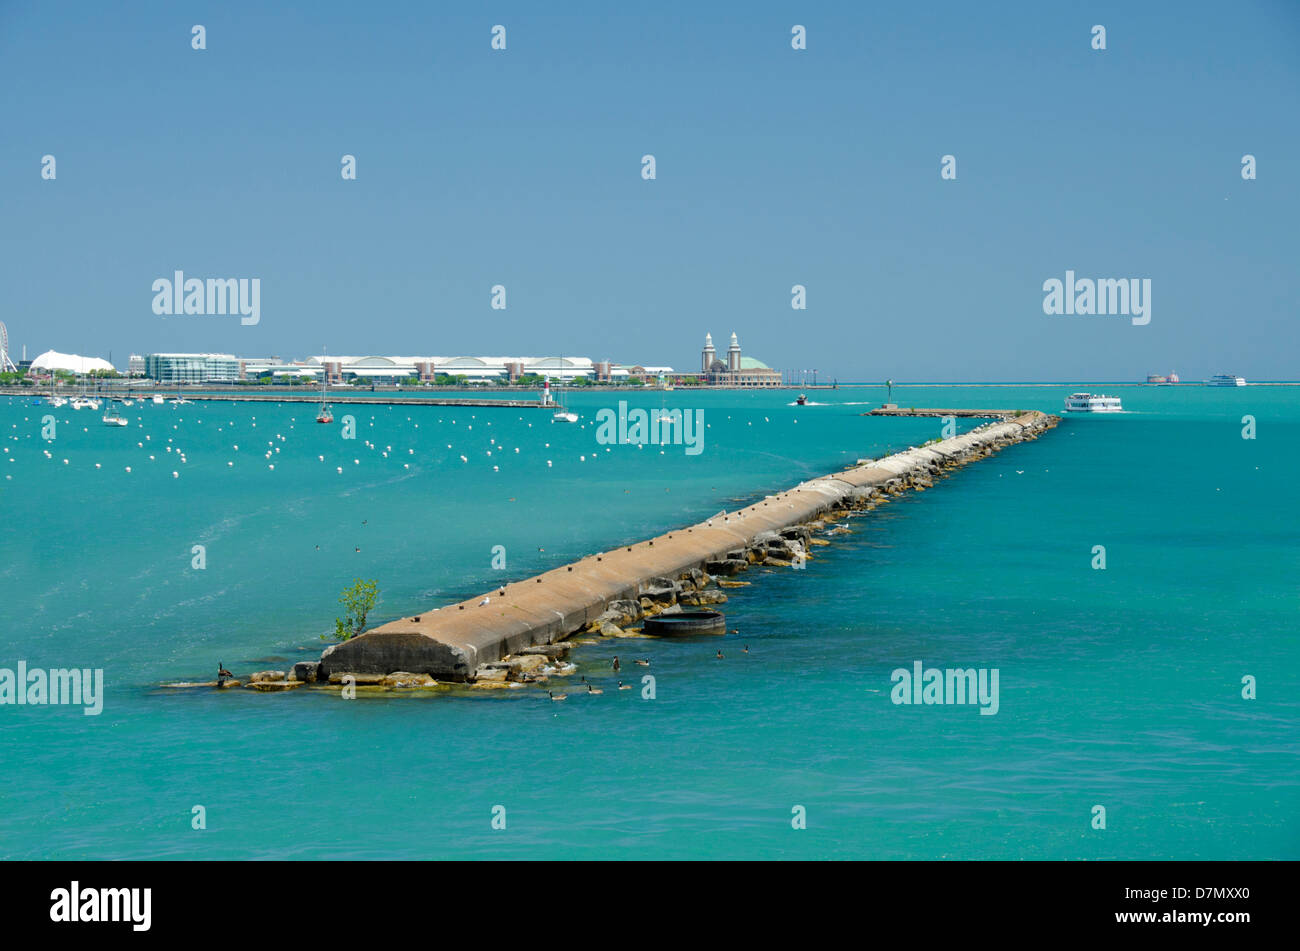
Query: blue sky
[[775, 167]]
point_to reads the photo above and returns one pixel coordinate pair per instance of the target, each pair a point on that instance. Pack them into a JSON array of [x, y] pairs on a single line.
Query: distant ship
[[1225, 379], [1092, 403], [1162, 380]]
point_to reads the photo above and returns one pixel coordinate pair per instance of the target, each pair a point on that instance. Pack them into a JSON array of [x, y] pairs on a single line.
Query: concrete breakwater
[[469, 640]]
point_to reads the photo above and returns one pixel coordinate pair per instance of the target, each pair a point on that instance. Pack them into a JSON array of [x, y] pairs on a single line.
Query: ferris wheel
[[6, 363]]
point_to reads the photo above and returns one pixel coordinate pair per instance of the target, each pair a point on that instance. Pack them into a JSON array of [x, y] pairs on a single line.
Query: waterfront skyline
[[776, 168]]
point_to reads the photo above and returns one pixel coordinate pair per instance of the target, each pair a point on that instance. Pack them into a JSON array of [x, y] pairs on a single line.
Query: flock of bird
[[616, 665]]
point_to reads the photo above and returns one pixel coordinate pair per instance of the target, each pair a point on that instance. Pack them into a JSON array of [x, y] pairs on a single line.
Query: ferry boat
[[1160, 380], [1225, 379], [1092, 403]]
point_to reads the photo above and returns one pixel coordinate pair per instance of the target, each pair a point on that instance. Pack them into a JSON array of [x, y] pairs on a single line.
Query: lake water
[[1119, 688]]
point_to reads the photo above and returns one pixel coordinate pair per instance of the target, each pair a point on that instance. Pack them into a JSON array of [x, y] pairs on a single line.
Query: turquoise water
[[1118, 687]]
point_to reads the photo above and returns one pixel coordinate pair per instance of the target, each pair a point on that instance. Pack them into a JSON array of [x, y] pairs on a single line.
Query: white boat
[[84, 402], [128, 402], [1225, 379], [58, 401], [562, 415], [1092, 403], [112, 419], [158, 400]]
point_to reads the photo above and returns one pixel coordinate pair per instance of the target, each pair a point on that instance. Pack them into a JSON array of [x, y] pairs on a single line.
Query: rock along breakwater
[[469, 640]]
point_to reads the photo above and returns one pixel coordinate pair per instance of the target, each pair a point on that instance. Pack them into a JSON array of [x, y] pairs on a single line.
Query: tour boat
[[1092, 403], [1226, 379]]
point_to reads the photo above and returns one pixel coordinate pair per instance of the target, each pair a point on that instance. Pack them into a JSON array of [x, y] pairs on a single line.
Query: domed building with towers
[[735, 370]]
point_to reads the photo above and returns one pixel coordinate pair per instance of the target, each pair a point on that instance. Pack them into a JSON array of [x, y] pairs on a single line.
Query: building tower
[[709, 354], [733, 354]]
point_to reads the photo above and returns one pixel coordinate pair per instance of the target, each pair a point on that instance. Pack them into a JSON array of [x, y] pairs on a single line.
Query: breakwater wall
[[458, 642]]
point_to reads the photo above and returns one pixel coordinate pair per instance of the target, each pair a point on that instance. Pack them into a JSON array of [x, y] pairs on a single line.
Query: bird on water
[[563, 696], [623, 686], [719, 654], [616, 663], [594, 690], [642, 663]]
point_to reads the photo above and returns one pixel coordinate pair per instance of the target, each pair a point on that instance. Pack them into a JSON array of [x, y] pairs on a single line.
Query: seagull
[[484, 602]]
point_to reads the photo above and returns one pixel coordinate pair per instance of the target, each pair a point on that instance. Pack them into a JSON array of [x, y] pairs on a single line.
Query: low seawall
[[454, 641]]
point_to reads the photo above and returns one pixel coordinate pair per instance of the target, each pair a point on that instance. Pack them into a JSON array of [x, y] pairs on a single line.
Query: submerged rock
[[268, 686], [699, 598], [403, 678], [360, 680]]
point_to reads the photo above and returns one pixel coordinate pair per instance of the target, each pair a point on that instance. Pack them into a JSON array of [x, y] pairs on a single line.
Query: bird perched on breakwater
[[484, 602], [616, 663], [222, 673]]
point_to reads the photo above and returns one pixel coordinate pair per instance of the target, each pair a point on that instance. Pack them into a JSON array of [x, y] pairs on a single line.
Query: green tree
[[358, 601]]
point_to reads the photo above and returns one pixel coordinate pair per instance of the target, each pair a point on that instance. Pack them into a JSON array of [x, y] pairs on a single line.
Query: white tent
[[53, 360]]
